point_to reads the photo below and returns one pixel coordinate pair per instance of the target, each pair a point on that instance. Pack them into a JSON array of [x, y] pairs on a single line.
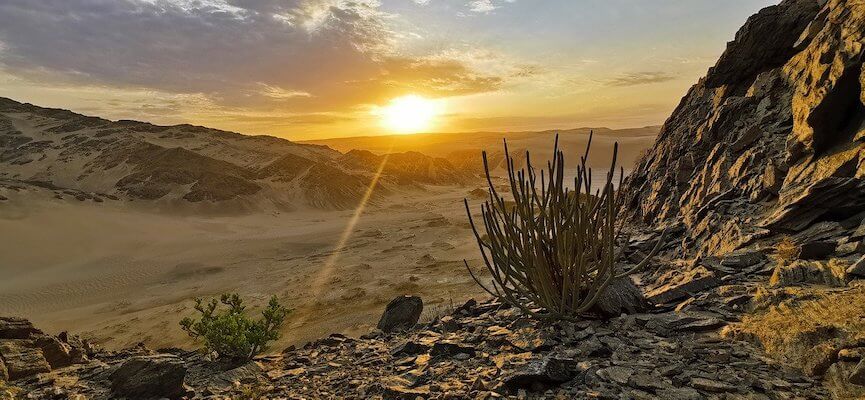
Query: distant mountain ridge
[[463, 149], [93, 158]]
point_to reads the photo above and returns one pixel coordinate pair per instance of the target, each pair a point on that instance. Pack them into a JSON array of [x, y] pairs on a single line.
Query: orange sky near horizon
[[315, 69]]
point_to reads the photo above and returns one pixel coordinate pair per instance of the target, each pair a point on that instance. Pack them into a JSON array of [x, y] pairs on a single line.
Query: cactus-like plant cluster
[[552, 251]]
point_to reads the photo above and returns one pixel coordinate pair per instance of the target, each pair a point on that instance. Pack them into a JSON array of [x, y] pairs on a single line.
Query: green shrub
[[229, 332]]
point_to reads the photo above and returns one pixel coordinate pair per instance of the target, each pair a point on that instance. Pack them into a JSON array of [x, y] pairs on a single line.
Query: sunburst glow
[[409, 114]]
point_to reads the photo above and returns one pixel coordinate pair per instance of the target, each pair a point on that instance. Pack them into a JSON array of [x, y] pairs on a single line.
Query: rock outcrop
[[26, 351], [778, 127]]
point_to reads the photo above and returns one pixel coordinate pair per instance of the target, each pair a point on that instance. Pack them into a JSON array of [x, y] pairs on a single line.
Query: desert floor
[[121, 273]]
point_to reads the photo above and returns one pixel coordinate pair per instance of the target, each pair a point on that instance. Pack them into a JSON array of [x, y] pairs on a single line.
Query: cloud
[[300, 55], [486, 6], [639, 78]]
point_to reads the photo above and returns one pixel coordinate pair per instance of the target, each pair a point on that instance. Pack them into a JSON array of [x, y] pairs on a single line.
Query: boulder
[[57, 353], [150, 376], [21, 359], [621, 296], [540, 374], [401, 313], [16, 328]]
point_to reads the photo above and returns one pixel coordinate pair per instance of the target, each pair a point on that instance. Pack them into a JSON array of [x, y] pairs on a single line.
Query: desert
[[585, 205]]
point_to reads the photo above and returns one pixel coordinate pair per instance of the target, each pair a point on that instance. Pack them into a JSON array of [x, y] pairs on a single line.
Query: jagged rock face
[[772, 138]]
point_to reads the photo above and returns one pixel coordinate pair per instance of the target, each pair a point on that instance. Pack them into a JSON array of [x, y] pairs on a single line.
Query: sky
[[314, 69]]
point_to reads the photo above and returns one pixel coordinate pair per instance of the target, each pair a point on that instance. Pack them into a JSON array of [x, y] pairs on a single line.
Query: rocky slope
[[90, 158], [772, 140], [479, 351]]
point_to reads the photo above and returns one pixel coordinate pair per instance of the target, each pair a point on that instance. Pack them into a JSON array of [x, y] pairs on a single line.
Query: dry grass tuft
[[785, 250], [791, 319]]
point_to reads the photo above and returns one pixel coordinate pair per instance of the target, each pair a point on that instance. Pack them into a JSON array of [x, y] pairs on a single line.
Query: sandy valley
[[116, 270]]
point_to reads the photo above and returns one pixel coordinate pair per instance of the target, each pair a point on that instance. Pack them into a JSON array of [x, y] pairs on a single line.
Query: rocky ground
[[695, 343], [482, 351]]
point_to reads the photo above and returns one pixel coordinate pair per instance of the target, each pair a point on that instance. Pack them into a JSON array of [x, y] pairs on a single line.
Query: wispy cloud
[[486, 6], [639, 78]]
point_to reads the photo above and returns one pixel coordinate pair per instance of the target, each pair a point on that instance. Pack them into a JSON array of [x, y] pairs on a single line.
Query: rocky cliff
[[772, 140]]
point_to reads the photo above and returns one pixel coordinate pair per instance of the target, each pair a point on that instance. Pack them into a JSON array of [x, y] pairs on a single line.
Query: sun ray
[[324, 274]]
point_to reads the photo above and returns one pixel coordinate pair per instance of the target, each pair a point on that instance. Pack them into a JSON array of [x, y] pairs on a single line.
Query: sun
[[409, 114]]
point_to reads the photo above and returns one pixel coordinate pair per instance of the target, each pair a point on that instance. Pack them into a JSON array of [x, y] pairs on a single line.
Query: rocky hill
[[772, 140], [91, 158]]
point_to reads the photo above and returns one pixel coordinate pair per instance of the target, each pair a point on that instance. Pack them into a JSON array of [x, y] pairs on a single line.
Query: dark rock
[[683, 285], [4, 373], [593, 347], [699, 324], [410, 348], [817, 250], [16, 328], [819, 359], [766, 41], [680, 394], [152, 376], [616, 374], [244, 374], [858, 375], [466, 308], [802, 272], [822, 197], [858, 268], [851, 354], [401, 313], [21, 359], [713, 386], [450, 349], [621, 296], [56, 352], [743, 259], [449, 324], [335, 339], [541, 374]]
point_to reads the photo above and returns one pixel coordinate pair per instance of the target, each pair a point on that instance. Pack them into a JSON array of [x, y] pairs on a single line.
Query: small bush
[[229, 332]]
